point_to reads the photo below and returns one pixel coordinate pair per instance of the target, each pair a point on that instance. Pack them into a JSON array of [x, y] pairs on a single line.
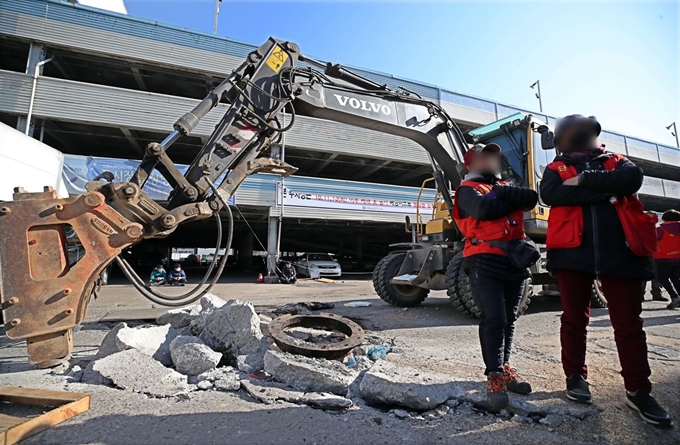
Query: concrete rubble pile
[[222, 345]]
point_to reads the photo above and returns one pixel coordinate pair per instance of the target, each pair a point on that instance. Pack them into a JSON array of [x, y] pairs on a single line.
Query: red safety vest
[[669, 244], [507, 228], [565, 223]]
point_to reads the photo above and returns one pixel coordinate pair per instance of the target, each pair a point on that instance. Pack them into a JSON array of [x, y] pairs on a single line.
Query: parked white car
[[316, 265]]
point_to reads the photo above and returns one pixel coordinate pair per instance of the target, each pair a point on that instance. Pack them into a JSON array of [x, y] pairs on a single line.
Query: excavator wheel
[[597, 299], [460, 292], [395, 294], [458, 288]]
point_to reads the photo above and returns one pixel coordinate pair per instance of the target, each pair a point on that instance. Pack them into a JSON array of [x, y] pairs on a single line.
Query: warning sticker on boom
[[277, 59]]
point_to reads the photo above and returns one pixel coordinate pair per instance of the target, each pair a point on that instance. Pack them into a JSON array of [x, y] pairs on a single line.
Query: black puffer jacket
[[603, 250], [507, 199]]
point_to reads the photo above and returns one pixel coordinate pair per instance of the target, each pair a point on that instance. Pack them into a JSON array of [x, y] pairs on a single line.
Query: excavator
[[44, 297], [527, 145]]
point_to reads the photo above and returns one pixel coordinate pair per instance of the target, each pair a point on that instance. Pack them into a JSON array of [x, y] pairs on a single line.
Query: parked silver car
[[317, 265]]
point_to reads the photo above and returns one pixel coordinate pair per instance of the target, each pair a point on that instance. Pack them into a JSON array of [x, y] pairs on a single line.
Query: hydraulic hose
[[186, 298]]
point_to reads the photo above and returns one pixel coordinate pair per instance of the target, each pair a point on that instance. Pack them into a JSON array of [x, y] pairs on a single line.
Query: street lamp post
[[674, 132], [217, 14], [537, 84]]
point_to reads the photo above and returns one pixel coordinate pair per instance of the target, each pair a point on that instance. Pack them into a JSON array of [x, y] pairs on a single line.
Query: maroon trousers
[[624, 300]]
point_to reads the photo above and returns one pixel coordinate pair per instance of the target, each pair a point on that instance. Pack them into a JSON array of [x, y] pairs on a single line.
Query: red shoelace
[[496, 384]]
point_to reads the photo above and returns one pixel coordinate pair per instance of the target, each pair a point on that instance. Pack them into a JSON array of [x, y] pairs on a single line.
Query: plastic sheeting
[[78, 170]]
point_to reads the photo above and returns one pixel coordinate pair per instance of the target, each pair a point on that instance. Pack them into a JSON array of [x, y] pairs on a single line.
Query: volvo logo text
[[363, 105]]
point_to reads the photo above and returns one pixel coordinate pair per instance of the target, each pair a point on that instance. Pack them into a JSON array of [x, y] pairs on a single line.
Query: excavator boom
[[43, 297]]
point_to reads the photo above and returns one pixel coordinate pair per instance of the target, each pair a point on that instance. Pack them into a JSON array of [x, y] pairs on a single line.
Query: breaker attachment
[[42, 296]]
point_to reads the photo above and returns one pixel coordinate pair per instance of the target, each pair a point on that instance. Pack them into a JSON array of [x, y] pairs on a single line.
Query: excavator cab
[[526, 150]]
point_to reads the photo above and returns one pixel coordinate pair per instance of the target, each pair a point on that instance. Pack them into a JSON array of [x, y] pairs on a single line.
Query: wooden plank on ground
[[9, 421], [39, 397], [14, 428]]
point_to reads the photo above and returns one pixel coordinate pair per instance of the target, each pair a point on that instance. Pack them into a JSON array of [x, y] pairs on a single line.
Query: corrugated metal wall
[[90, 103], [96, 104], [91, 30], [96, 31]]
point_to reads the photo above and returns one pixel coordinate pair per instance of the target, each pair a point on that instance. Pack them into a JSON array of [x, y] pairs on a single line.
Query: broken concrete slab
[[153, 341], [210, 302], [254, 361], [522, 407], [92, 377], [303, 308], [232, 384], [224, 379], [226, 372], [133, 370], [363, 363], [553, 420], [193, 357], [556, 406], [269, 392], [309, 374], [388, 384], [265, 321], [233, 328], [110, 344], [179, 318]]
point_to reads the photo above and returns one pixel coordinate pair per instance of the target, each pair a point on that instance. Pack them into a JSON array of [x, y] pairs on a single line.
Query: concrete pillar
[[245, 252], [36, 53], [272, 249], [277, 152]]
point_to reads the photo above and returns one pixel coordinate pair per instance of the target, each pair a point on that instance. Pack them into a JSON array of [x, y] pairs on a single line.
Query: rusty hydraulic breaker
[[42, 297]]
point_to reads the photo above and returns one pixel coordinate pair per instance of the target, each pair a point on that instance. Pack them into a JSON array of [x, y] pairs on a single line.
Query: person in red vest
[[585, 241], [488, 209], [668, 257]]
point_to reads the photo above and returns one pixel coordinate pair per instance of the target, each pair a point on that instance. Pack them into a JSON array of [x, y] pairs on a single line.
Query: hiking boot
[[648, 408], [674, 304], [514, 382], [578, 389], [496, 390]]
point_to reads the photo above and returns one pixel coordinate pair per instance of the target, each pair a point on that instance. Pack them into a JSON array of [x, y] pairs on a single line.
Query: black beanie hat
[[574, 120]]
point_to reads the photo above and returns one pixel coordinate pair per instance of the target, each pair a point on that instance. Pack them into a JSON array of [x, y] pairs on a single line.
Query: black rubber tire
[[597, 300], [460, 292], [527, 295], [396, 295], [458, 288]]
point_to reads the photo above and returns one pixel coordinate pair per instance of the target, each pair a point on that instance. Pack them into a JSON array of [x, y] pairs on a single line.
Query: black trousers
[[499, 301], [668, 275]]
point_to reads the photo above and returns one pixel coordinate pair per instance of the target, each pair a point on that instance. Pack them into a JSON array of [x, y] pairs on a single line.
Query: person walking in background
[[488, 212], [177, 276], [668, 257], [158, 276], [585, 241]]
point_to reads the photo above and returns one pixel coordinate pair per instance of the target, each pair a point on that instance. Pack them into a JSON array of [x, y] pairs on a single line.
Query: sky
[[618, 61]]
